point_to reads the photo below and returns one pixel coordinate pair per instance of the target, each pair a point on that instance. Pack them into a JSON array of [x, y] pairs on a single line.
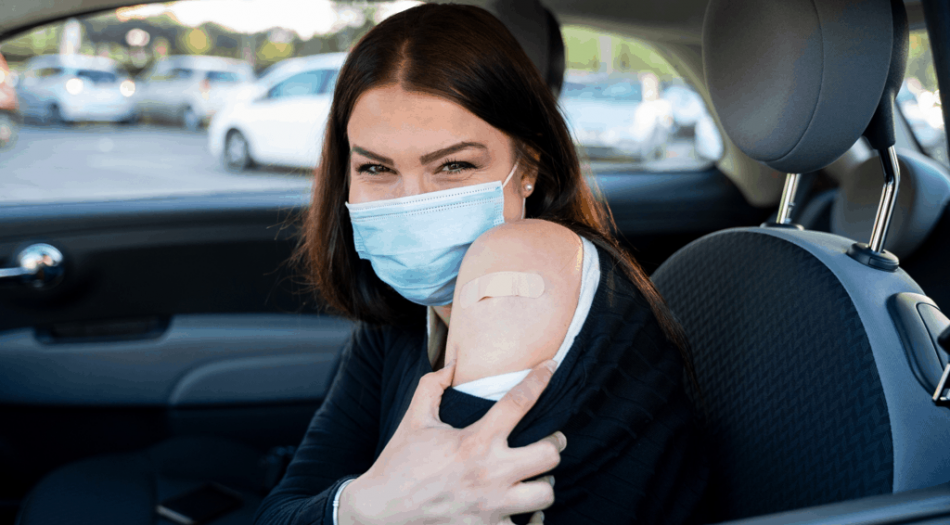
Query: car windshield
[[97, 77]]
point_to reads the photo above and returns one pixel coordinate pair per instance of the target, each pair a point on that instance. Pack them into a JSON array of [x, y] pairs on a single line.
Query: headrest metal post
[[788, 199], [885, 209]]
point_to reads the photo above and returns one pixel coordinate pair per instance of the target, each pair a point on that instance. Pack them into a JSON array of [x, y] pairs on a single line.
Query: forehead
[[392, 120]]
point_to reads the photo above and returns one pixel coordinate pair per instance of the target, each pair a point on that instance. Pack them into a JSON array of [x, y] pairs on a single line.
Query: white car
[[687, 106], [610, 120], [280, 120], [190, 89], [75, 88]]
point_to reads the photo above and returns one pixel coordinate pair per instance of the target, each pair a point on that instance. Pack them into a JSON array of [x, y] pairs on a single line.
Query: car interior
[[172, 340]]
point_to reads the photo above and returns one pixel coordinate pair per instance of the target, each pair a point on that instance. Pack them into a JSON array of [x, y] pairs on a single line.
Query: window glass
[[97, 77], [919, 99], [46, 72], [159, 124], [181, 73], [331, 81], [627, 107], [223, 76], [301, 84]]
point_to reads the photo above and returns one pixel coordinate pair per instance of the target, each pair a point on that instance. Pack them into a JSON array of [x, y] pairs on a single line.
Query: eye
[[456, 166], [372, 169]]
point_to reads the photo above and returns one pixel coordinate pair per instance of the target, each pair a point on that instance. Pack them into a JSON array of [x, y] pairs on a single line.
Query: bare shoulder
[[496, 334], [531, 245]]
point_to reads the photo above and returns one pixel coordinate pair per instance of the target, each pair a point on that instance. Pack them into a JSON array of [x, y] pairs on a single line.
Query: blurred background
[[232, 95]]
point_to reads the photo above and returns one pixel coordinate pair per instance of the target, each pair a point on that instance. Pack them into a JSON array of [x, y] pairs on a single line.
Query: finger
[[502, 418], [534, 459], [537, 517], [425, 403], [529, 496]]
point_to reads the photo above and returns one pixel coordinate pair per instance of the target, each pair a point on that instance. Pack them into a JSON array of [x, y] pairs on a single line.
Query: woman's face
[[406, 143]]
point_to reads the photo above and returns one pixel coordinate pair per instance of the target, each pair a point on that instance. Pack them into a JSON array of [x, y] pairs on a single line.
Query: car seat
[[920, 228], [803, 341]]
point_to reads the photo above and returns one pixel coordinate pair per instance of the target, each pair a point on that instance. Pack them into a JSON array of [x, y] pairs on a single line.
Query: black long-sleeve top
[[633, 456]]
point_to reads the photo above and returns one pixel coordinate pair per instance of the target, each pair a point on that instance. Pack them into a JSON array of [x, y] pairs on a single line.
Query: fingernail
[[550, 364], [562, 441], [551, 480], [542, 516]]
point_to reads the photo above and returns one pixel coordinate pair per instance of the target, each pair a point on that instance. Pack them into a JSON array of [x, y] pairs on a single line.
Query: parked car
[[9, 107], [75, 88], [610, 119], [189, 89], [279, 119], [924, 115], [687, 107]]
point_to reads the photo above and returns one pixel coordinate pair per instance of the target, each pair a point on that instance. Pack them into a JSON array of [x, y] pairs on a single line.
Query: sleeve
[[340, 442]]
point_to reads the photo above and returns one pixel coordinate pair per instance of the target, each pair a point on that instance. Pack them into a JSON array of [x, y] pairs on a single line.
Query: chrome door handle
[[40, 266]]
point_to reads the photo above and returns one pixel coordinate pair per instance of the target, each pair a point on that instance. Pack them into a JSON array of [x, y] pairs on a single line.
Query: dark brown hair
[[466, 55]]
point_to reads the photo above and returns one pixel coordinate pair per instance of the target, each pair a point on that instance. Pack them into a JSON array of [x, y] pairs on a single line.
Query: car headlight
[[127, 88], [74, 86]]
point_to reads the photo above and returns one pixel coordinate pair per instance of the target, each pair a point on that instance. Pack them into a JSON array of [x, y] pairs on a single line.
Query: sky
[[305, 17]]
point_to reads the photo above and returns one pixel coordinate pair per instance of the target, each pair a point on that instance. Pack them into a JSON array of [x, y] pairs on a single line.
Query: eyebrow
[[425, 159]]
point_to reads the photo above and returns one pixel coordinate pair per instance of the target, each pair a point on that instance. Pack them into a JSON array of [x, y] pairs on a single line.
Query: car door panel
[[200, 360], [175, 316]]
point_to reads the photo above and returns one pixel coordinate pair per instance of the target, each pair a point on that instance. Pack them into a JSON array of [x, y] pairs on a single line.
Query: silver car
[[190, 89], [75, 88]]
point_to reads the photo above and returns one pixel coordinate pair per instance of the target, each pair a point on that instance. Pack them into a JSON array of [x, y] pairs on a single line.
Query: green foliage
[[584, 47], [920, 61]]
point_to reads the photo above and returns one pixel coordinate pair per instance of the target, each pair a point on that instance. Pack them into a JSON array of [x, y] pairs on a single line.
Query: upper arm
[[497, 335]]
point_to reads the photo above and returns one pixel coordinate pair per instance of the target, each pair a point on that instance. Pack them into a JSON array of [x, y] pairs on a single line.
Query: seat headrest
[[923, 195], [538, 32], [796, 82]]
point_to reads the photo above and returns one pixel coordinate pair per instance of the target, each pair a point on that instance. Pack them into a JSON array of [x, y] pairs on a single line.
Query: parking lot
[[104, 161], [93, 162]]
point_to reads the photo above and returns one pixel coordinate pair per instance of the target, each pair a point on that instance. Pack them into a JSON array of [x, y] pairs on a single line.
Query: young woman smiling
[[446, 161]]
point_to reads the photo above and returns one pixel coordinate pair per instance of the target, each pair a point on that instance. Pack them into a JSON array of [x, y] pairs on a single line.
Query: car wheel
[[237, 154], [54, 116], [190, 119], [133, 118], [9, 130]]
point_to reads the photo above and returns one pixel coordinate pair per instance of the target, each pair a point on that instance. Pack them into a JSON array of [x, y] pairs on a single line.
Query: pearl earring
[[528, 187]]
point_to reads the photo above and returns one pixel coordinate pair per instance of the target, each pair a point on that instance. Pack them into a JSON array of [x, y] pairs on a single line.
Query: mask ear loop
[[524, 200]]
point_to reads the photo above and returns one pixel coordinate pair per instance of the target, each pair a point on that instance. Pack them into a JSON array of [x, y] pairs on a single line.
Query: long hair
[[465, 55]]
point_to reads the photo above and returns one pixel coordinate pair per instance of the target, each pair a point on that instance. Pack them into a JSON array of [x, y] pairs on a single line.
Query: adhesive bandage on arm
[[501, 284]]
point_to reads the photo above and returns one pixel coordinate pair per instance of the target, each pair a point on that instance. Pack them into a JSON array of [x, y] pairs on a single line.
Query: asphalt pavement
[[105, 162], [90, 162]]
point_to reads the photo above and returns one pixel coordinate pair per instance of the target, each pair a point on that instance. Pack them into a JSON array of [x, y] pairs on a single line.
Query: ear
[[530, 176]]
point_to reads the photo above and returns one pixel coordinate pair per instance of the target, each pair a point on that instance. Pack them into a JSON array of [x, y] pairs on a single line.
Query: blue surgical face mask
[[416, 243]]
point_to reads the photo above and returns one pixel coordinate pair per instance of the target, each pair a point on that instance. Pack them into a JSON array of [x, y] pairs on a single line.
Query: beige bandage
[[501, 284]]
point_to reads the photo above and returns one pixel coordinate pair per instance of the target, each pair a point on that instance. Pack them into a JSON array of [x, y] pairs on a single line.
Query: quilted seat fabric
[[796, 410]]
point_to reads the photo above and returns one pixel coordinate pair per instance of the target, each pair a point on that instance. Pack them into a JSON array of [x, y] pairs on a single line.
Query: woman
[[442, 138]]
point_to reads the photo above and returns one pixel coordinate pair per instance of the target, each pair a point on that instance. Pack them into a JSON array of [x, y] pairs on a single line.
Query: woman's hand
[[430, 472]]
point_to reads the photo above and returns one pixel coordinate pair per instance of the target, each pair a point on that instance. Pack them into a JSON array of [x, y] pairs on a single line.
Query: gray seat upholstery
[[920, 230], [802, 371], [921, 201]]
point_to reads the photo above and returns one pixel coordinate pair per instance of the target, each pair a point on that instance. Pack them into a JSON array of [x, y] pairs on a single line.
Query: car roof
[[73, 61], [206, 62], [291, 66]]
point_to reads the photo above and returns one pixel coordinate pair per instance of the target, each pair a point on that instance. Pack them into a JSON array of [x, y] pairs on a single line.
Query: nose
[[416, 183]]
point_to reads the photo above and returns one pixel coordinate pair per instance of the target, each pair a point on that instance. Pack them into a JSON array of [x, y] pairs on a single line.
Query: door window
[[627, 106], [919, 99], [299, 85]]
